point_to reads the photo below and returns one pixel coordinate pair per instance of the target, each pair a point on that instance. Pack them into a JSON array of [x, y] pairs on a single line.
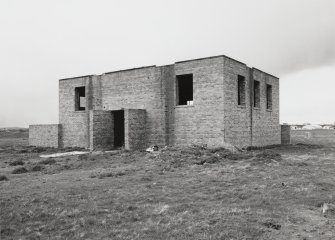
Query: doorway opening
[[118, 128]]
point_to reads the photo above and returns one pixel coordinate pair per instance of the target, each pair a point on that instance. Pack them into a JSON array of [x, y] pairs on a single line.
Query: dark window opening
[[257, 97], [240, 90], [80, 99], [268, 97], [185, 89], [118, 128]]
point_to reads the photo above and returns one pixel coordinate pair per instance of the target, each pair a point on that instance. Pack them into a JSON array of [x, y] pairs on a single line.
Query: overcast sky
[[42, 41]]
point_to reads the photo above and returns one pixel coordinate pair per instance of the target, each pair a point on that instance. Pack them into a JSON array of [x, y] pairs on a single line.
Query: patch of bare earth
[[178, 193]]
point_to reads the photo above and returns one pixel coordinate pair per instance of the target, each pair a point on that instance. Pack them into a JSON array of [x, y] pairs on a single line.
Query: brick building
[[202, 101]]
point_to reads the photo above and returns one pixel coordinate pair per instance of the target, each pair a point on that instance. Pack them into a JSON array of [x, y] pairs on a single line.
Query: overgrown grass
[[175, 193]]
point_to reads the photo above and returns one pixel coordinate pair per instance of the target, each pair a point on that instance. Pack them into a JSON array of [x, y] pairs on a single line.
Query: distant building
[[328, 126], [311, 127], [297, 126]]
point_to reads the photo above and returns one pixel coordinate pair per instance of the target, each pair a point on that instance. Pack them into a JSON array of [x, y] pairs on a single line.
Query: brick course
[[137, 89], [44, 135], [315, 136], [201, 123], [101, 129], [265, 123], [135, 128], [285, 134], [75, 124]]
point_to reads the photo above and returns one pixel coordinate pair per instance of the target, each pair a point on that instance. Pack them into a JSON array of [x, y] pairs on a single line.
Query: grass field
[[177, 193]]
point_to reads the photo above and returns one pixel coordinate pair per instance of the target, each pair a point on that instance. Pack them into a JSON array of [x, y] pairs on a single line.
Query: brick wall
[[316, 136], [135, 129], [246, 125], [201, 123], [101, 129], [237, 121], [138, 89], [168, 84], [265, 123], [75, 124], [285, 134], [46, 135]]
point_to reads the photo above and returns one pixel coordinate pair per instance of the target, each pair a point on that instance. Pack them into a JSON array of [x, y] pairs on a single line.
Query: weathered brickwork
[[265, 123], [148, 97], [201, 123], [101, 129], [137, 89], [247, 125], [75, 124], [46, 135], [135, 128], [285, 134], [168, 101], [315, 136], [237, 120]]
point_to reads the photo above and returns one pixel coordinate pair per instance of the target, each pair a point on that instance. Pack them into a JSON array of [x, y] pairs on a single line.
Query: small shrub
[[268, 156], [114, 153], [271, 224], [16, 163], [190, 151], [199, 147], [64, 167], [210, 160], [71, 149], [19, 170], [103, 175], [38, 149], [309, 146], [37, 168], [83, 157], [111, 174], [6, 231], [227, 154], [147, 178], [3, 178], [48, 161]]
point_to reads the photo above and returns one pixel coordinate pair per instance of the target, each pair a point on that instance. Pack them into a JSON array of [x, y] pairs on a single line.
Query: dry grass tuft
[[20, 170], [271, 224], [37, 168], [109, 174], [84, 157], [16, 163], [3, 178], [48, 161], [267, 156], [229, 155], [40, 149]]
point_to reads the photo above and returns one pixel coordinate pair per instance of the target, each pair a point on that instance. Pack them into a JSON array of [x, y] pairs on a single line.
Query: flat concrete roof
[[76, 77], [130, 69], [265, 73], [196, 59], [204, 58]]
